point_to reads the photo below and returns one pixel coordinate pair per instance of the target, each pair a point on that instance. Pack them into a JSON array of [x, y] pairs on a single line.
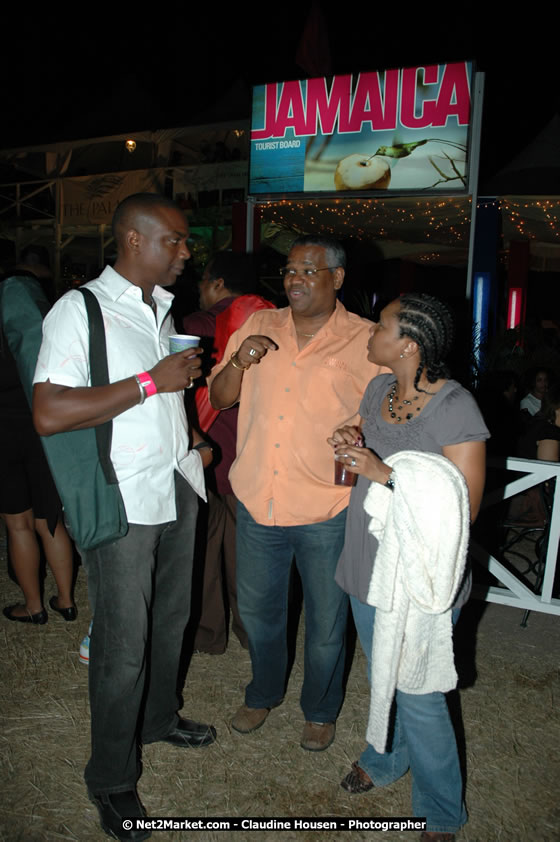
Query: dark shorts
[[25, 479]]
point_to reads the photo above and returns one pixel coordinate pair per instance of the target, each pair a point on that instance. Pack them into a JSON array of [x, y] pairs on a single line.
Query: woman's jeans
[[140, 594], [264, 561], [423, 740]]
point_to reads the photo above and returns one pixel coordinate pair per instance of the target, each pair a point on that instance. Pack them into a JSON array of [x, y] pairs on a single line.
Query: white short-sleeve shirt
[[150, 441], [531, 403]]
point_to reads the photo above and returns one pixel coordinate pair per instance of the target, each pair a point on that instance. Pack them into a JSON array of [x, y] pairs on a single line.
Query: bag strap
[[99, 374]]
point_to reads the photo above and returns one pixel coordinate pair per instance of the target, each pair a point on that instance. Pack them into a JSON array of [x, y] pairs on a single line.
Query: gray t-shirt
[[451, 417]]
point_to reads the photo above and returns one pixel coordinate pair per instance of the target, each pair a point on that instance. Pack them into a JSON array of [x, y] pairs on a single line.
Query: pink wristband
[[147, 384]]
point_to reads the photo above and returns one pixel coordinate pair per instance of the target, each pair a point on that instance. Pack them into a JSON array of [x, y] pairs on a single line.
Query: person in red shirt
[[226, 298]]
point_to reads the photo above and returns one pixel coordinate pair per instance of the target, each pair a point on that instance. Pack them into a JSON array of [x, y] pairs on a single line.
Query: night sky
[[92, 71]]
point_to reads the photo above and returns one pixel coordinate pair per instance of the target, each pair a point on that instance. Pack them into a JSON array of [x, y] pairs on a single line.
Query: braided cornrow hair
[[427, 321]]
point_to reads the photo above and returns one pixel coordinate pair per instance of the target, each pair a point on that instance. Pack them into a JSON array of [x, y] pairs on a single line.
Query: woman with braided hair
[[412, 565]]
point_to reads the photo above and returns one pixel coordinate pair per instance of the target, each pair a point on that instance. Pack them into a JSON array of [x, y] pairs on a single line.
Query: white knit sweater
[[423, 531]]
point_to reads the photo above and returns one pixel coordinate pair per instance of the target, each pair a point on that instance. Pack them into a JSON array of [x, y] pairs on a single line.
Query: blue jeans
[[423, 740], [140, 592], [264, 560]]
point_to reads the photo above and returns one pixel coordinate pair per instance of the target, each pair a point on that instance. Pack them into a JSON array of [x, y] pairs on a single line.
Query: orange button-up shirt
[[289, 404]]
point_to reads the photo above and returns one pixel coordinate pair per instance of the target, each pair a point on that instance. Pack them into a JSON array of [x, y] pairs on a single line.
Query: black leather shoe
[[189, 734], [38, 619], [113, 808], [69, 614]]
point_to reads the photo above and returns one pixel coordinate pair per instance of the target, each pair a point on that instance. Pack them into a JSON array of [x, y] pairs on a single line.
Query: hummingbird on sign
[[403, 150]]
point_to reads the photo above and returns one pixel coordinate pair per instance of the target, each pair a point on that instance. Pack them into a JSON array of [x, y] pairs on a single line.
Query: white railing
[[514, 591]]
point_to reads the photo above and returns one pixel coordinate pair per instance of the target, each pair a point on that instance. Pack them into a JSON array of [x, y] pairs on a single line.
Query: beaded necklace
[[392, 396]]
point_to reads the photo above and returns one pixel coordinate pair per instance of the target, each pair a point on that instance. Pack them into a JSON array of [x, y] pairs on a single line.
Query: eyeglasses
[[307, 273]]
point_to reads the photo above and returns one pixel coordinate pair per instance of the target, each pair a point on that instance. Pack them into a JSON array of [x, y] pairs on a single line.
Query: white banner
[[93, 199]]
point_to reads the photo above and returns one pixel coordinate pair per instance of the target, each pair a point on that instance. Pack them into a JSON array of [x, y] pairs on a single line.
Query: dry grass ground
[[509, 710]]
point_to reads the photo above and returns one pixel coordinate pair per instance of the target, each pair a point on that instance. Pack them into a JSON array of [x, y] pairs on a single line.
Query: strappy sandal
[[357, 781]]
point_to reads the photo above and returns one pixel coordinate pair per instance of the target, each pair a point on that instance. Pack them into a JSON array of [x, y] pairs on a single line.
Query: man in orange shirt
[[298, 374]]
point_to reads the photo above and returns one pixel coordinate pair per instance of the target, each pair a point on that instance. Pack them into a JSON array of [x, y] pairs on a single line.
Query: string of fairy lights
[[532, 217], [441, 220], [360, 218]]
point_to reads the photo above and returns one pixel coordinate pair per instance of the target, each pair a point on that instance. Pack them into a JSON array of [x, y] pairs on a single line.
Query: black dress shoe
[[69, 614], [113, 808], [189, 734], [38, 619]]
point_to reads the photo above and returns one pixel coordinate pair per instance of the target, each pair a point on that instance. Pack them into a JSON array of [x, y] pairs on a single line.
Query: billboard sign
[[391, 131]]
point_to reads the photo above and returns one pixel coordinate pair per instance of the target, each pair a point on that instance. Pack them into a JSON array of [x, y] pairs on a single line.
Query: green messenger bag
[[79, 460]]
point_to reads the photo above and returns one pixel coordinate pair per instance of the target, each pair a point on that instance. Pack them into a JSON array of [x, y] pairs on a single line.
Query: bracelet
[[390, 484], [147, 383], [203, 445], [234, 360], [142, 390]]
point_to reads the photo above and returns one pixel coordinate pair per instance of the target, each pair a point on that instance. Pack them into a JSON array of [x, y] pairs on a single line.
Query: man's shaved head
[[151, 234], [135, 209]]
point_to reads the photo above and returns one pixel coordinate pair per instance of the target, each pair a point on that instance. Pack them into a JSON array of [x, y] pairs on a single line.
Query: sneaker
[[84, 647]]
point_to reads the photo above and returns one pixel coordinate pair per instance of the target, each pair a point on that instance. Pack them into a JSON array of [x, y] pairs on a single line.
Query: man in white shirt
[[139, 586]]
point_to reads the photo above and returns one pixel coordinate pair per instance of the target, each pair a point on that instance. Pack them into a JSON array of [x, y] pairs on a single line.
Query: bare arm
[[348, 445], [470, 458], [225, 388], [548, 449], [57, 408], [206, 453]]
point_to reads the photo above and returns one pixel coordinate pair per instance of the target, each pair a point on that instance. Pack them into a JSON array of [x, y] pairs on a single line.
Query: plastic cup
[[342, 476], [181, 341]]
